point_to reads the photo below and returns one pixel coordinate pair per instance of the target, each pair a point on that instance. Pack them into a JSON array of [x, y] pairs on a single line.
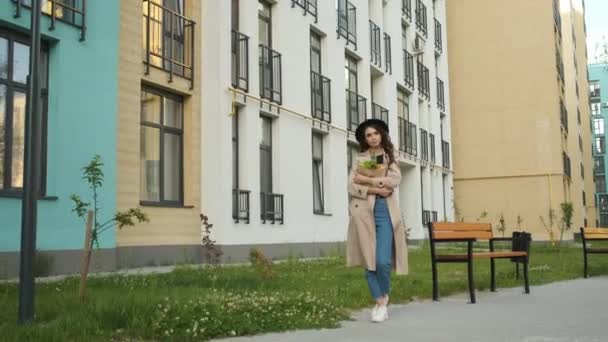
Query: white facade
[[292, 123]]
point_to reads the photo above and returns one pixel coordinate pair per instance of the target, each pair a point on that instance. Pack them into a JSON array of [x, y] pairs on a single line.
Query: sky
[[596, 17]]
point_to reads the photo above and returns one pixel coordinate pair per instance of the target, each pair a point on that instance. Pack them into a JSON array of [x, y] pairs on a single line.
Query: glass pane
[[173, 113], [150, 107], [150, 164], [317, 146], [18, 143], [21, 61], [266, 132], [2, 130], [317, 185], [172, 167], [44, 59], [265, 171], [3, 58]]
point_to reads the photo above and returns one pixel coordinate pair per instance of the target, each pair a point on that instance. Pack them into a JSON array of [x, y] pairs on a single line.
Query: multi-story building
[[244, 111], [521, 112], [285, 85], [120, 79], [598, 85]]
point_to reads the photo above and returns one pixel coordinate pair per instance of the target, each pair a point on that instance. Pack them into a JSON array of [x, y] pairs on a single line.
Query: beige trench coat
[[361, 240]]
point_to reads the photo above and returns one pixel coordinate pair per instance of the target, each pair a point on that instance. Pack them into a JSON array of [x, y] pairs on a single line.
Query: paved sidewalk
[[574, 310]]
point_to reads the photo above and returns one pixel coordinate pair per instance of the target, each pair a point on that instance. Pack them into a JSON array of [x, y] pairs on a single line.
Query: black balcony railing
[[379, 112], [272, 208], [408, 69], [598, 166], [308, 6], [567, 168], [320, 90], [421, 20], [270, 75], [347, 22], [432, 143], [240, 205], [240, 61], [440, 95], [434, 216], [169, 41], [424, 86], [438, 37], [407, 137], [356, 109], [563, 116], [71, 12], [445, 151], [375, 43], [424, 145], [595, 93], [406, 9], [388, 59], [426, 217]]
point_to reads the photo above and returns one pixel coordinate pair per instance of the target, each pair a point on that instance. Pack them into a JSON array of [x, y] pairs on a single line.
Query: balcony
[[445, 151], [347, 22], [424, 86], [406, 9], [408, 69], [432, 143], [320, 90], [356, 109], [388, 59], [168, 41], [379, 112], [70, 12], [438, 38], [308, 6], [426, 217], [240, 205], [424, 145], [240, 61], [272, 207], [434, 217], [440, 95], [595, 93], [407, 137], [421, 21], [598, 166], [375, 44], [270, 75], [567, 168], [563, 116]]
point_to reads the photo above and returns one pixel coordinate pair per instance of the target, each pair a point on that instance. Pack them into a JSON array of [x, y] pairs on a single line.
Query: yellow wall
[[506, 133], [168, 226]]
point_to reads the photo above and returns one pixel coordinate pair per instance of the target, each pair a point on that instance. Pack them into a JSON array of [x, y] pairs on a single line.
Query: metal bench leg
[[586, 272], [492, 275], [471, 282], [435, 285], [517, 270], [526, 280]]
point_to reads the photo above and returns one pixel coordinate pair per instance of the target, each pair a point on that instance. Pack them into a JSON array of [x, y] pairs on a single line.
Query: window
[[580, 143], [584, 199], [61, 12], [353, 151], [600, 184], [266, 156], [14, 71], [264, 24], [161, 154], [432, 141], [598, 166], [403, 108], [600, 145], [317, 173], [315, 52], [350, 73], [594, 88], [596, 109], [582, 171]]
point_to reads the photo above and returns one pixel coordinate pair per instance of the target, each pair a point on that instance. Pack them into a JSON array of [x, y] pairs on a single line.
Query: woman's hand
[[383, 192]]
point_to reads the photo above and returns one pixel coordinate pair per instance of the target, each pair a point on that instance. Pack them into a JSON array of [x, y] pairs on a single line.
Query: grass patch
[[196, 304]]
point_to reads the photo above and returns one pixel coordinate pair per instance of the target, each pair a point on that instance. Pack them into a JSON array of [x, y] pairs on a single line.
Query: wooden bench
[[444, 232], [593, 234]]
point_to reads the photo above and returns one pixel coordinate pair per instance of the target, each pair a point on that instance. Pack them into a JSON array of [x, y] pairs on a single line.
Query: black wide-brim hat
[[360, 132]]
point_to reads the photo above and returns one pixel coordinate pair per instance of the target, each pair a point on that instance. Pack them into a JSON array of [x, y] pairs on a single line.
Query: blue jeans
[[379, 281]]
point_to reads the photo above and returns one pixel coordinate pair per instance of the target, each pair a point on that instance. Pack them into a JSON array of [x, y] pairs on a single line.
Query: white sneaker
[[374, 312], [381, 314]]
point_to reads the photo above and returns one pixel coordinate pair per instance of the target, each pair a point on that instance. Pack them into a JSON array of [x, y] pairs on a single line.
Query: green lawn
[[198, 304]]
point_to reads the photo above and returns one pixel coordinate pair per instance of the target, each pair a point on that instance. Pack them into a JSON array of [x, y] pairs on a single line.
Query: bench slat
[[462, 226], [482, 235], [595, 231], [484, 255]]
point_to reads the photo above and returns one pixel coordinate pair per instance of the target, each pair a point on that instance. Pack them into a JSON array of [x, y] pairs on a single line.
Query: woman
[[376, 233]]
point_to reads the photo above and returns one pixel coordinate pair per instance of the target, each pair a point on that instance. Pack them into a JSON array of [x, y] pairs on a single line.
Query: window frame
[[11, 86], [318, 163], [162, 130]]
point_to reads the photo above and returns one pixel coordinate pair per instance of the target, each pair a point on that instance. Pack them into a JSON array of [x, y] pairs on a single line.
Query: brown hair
[[386, 143]]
